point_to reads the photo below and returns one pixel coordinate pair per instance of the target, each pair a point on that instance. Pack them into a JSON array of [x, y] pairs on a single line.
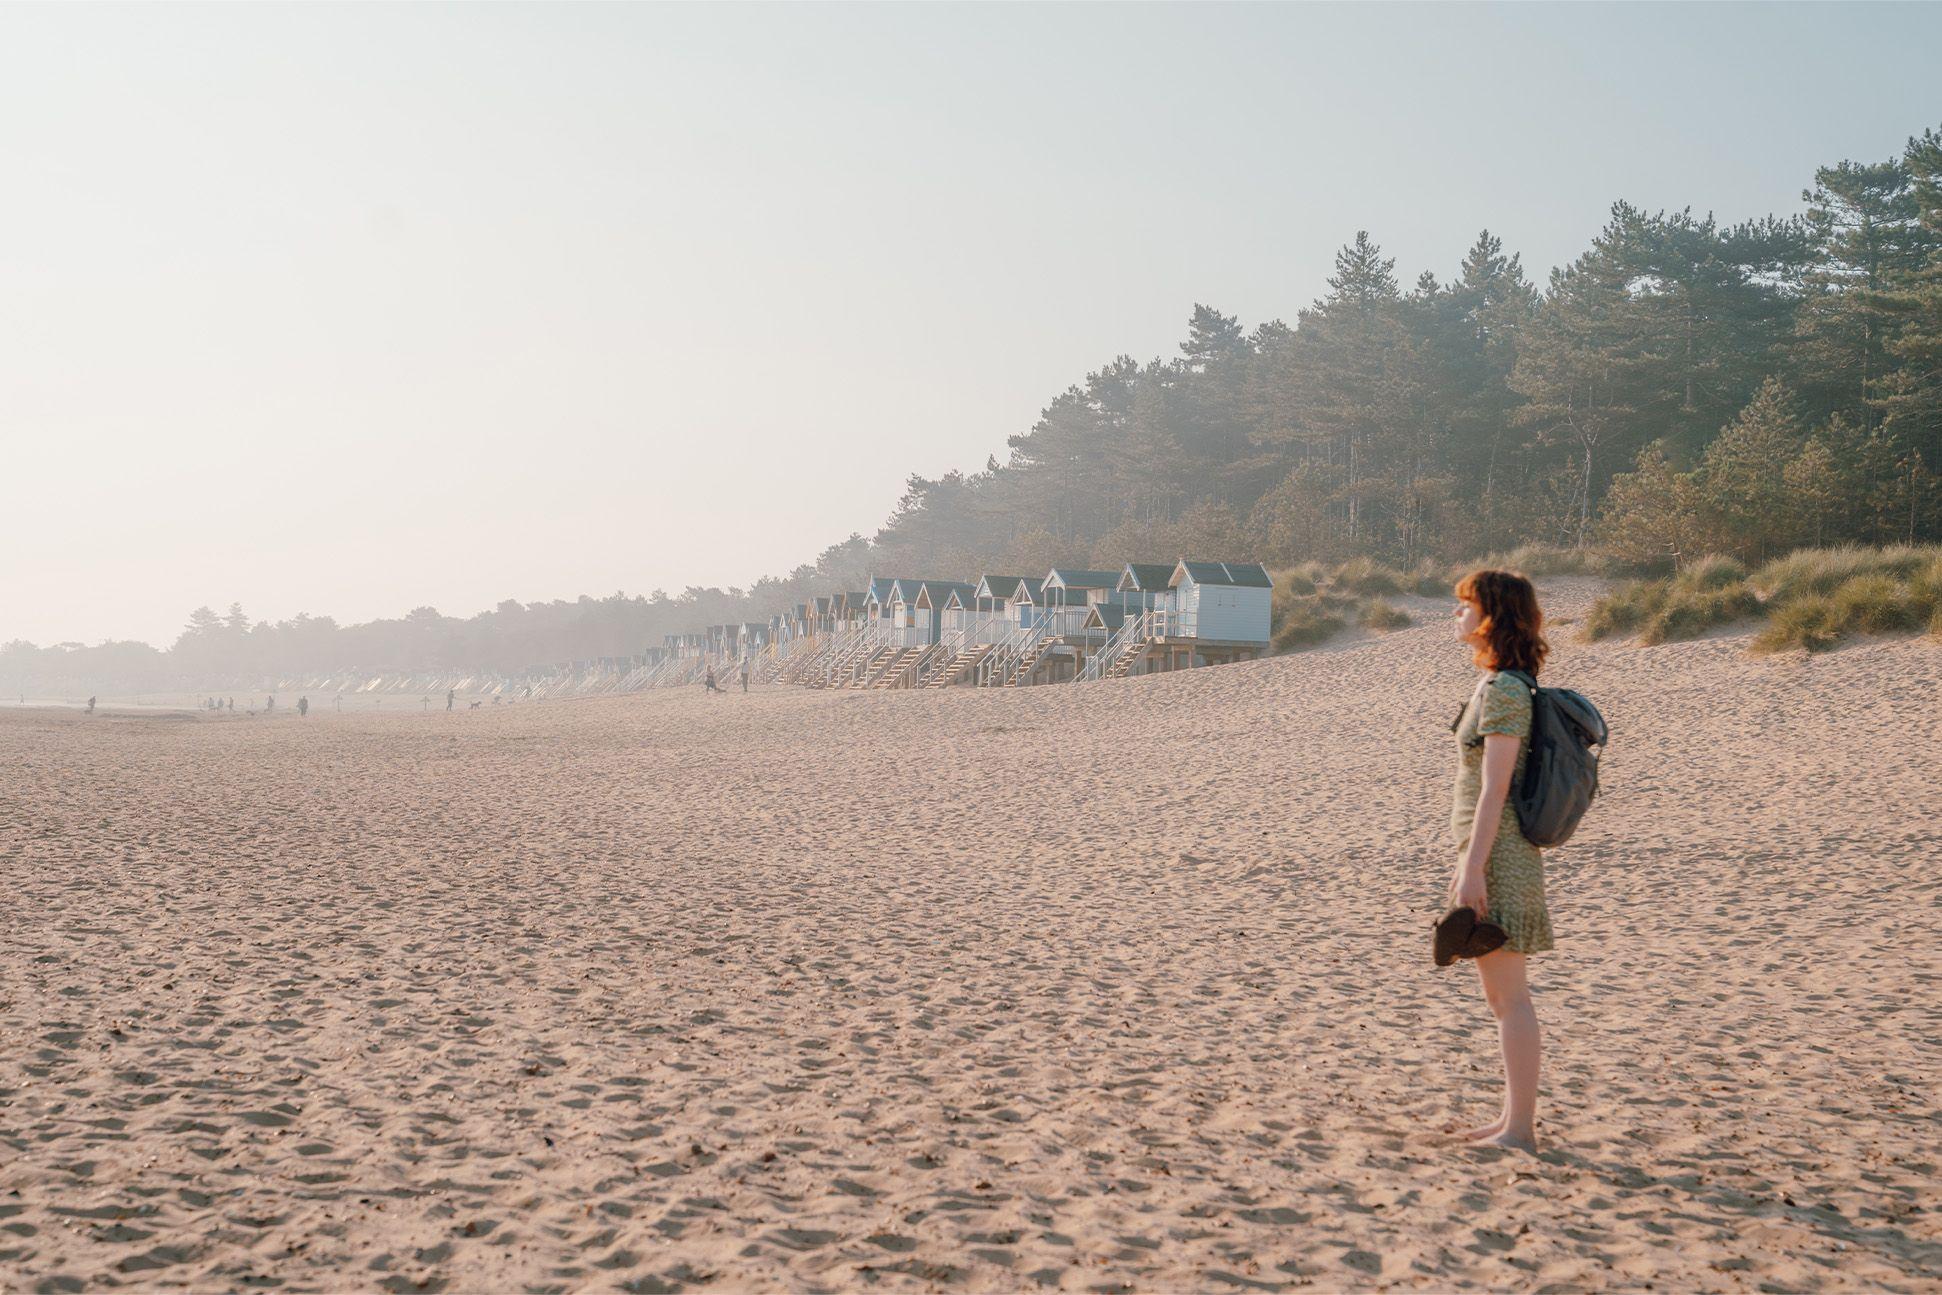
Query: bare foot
[[1509, 1140], [1455, 1130]]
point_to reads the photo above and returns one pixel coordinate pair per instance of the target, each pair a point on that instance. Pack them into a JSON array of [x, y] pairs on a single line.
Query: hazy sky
[[353, 309]]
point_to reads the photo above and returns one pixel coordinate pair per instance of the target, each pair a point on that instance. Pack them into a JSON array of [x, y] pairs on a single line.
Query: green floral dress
[[1514, 873]]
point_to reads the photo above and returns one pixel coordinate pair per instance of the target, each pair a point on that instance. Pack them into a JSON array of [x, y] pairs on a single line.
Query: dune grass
[[1376, 614], [1313, 603], [1711, 592], [1553, 560], [1305, 620], [1817, 597], [1810, 599]]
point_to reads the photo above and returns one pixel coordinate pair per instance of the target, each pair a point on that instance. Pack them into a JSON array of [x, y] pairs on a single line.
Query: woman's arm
[[1499, 764]]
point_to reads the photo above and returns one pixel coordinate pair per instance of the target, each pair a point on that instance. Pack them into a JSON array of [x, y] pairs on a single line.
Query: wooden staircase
[[1127, 660], [817, 667], [1022, 673], [959, 666], [891, 673], [852, 666]]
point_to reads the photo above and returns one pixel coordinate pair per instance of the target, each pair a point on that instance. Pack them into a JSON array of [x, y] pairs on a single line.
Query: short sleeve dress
[[1514, 873]]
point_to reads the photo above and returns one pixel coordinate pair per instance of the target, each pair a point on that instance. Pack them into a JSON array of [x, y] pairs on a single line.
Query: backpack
[[1561, 769]]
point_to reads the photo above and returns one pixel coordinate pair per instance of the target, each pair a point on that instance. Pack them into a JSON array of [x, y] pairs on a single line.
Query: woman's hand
[[1470, 892]]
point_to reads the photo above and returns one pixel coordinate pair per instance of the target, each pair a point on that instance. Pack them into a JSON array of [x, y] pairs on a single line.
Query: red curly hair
[[1511, 632]]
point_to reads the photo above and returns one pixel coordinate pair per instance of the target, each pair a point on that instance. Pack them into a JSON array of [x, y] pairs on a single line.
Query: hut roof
[[1245, 575], [1029, 589], [906, 589], [1074, 578], [1000, 587], [1145, 577], [935, 593], [1109, 616]]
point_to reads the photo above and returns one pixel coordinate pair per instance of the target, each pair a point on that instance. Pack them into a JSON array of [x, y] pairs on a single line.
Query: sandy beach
[[1117, 986]]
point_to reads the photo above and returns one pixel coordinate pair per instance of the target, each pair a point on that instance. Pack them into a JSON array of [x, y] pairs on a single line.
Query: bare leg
[[1509, 995]]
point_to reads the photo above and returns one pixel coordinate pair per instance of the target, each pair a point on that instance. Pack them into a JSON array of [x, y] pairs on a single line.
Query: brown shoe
[[1461, 934]]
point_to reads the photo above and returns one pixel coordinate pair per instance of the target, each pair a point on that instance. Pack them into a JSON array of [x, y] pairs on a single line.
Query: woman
[[1499, 873]]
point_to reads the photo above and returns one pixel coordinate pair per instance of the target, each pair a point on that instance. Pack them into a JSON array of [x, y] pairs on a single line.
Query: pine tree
[[1578, 371], [1864, 227], [1652, 513], [1911, 394], [1742, 480]]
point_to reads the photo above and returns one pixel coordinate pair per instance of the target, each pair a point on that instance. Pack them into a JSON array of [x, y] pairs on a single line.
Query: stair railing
[[946, 650], [934, 658], [997, 669], [862, 645], [1130, 633]]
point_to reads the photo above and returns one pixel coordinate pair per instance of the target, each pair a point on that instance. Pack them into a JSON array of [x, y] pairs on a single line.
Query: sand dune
[[1113, 986]]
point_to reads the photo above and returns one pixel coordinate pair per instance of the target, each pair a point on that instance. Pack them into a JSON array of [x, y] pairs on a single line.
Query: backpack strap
[[1523, 678]]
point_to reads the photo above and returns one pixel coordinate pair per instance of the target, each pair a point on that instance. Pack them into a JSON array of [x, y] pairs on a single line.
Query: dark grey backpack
[[1561, 768]]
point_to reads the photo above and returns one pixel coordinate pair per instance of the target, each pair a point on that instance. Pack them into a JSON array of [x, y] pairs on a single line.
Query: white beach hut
[[1224, 602]]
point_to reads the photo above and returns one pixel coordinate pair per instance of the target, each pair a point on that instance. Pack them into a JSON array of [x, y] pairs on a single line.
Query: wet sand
[[1112, 986]]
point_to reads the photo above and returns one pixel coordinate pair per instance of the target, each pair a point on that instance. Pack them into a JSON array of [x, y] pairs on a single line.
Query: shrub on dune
[[1822, 571], [1367, 576], [1809, 622], [1711, 572], [1379, 615], [1688, 611], [1925, 586], [1625, 609], [1294, 584], [1428, 580], [1304, 622], [1712, 591], [1551, 560], [1875, 604]]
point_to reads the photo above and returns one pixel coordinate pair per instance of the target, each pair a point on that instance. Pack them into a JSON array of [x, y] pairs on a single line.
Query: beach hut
[[1024, 604], [934, 598], [901, 628], [876, 605], [1222, 601], [1145, 585], [1074, 587], [1067, 592]]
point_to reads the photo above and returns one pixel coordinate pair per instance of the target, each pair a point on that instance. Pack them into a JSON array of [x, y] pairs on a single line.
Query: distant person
[[340, 701], [90, 705], [1499, 873], [425, 703], [451, 698], [709, 682], [269, 704], [303, 708], [232, 705], [744, 674]]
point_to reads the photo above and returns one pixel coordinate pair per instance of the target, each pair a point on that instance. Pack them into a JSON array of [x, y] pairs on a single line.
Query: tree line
[[1684, 386]]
